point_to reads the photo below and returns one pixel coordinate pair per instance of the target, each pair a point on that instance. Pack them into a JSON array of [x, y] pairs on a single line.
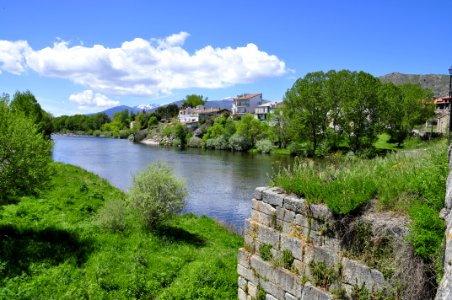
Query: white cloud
[[142, 67], [12, 56], [88, 99]]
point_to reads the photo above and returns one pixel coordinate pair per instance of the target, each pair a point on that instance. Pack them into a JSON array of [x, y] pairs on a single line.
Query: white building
[[246, 104], [193, 115], [262, 110]]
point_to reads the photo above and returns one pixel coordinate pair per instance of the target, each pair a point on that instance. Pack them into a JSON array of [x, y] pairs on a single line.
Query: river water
[[220, 184]]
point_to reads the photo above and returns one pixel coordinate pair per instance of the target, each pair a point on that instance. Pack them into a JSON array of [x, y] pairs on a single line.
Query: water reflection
[[220, 184]]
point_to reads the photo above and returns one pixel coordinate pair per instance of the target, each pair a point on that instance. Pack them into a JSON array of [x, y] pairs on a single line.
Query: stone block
[[272, 289], [263, 207], [264, 219], [354, 272], [295, 204], [284, 227], [299, 267], [252, 289], [258, 192], [262, 268], [288, 296], [293, 244], [303, 220], [244, 258], [267, 235], [273, 196], [287, 281], [331, 258], [313, 293], [248, 274], [270, 297], [285, 215], [320, 211], [243, 283], [242, 295]]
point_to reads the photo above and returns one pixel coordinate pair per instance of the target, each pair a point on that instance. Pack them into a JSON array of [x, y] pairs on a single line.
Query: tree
[[26, 103], [193, 101], [157, 195], [24, 154]]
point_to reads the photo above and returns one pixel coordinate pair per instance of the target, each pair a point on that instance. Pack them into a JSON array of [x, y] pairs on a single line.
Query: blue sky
[[86, 56]]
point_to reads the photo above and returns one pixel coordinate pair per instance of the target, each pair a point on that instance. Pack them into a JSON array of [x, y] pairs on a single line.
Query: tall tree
[[193, 100]]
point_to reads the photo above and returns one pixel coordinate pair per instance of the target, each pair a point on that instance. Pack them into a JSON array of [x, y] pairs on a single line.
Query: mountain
[[222, 104], [438, 83]]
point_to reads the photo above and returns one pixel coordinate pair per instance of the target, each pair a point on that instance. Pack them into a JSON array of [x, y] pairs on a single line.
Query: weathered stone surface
[[267, 235], [288, 296], [313, 293], [262, 207], [295, 246], [258, 192], [285, 215], [242, 282], [295, 204], [320, 211], [242, 294], [331, 258], [272, 289], [356, 273], [244, 258], [303, 220], [246, 273], [262, 268], [273, 196], [263, 219], [287, 281], [270, 297], [252, 289]]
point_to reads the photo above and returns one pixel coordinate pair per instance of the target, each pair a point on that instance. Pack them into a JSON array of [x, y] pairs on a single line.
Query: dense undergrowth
[[52, 247], [410, 182]]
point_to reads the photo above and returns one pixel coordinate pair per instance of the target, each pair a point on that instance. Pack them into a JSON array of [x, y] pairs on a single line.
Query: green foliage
[[193, 100], [112, 216], [323, 275], [157, 195], [264, 146], [265, 251], [287, 259], [56, 250], [410, 183], [194, 142], [239, 142], [261, 295], [24, 154], [25, 103]]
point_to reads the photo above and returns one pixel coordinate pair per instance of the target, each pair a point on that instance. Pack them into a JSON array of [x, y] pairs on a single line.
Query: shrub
[[238, 142], [287, 259], [265, 251], [296, 149], [264, 146], [157, 195], [194, 142], [24, 155], [112, 216], [176, 142]]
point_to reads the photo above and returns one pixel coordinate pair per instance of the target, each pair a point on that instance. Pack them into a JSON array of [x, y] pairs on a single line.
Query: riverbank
[[52, 246]]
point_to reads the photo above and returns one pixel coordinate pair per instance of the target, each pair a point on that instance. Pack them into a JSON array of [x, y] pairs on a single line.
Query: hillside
[[438, 83]]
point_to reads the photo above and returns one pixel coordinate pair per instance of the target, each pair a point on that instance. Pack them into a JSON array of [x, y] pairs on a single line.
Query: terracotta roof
[[247, 96]]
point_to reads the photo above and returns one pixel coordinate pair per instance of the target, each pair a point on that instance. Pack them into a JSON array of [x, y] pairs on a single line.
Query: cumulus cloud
[[88, 98], [143, 67]]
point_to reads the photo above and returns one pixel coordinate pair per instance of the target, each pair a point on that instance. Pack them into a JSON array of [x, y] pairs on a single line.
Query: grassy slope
[[50, 248]]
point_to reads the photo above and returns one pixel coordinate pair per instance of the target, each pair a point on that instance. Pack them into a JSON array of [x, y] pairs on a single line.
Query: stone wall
[[445, 287], [292, 251]]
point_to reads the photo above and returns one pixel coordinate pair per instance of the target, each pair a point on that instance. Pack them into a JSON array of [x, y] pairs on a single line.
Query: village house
[[191, 115], [246, 104], [442, 114], [261, 111]]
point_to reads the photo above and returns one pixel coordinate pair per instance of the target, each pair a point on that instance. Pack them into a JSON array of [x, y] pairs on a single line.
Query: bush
[[194, 142], [296, 149], [112, 216], [238, 142], [157, 195], [24, 155], [264, 146]]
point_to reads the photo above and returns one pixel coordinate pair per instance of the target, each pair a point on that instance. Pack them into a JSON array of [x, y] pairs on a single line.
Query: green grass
[[383, 143], [408, 182], [51, 248]]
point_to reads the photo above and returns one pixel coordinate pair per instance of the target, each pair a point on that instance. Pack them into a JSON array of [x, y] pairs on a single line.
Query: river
[[220, 183]]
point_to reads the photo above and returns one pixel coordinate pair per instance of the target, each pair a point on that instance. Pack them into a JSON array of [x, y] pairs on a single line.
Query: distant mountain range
[[222, 104], [438, 83]]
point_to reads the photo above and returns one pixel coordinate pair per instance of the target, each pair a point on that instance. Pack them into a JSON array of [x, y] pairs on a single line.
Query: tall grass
[[410, 182], [53, 247]]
